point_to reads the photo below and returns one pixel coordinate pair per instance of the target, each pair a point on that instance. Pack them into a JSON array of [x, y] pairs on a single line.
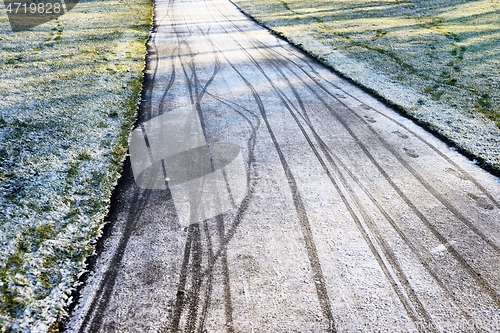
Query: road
[[263, 193]]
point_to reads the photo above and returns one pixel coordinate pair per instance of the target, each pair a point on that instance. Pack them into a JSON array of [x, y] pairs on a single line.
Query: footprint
[[366, 107], [401, 135], [411, 152], [370, 119], [456, 173], [481, 202]]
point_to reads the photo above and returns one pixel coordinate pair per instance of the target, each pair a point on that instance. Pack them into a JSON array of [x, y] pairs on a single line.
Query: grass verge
[[69, 96], [438, 62]]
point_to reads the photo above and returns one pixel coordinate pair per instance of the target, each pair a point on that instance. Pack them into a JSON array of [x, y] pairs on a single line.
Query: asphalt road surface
[[263, 193]]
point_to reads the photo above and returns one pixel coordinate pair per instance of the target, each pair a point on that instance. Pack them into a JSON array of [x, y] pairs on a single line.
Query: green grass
[[69, 91], [442, 56]]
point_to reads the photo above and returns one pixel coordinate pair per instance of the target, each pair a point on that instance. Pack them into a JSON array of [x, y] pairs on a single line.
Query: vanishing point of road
[[263, 193]]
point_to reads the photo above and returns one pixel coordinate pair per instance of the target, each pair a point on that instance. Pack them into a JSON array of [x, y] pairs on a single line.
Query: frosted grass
[[69, 94]]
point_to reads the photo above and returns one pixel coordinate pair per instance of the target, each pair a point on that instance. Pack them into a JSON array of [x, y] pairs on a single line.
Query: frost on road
[[265, 194]]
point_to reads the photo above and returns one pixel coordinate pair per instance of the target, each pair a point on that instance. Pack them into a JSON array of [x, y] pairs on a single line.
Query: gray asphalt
[[263, 193]]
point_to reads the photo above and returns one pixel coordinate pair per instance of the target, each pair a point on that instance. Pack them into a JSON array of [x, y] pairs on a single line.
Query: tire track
[[150, 79], [299, 206], [462, 172], [93, 318], [196, 95], [465, 265], [225, 238], [335, 161], [181, 292], [228, 307], [414, 303], [205, 262], [301, 214], [414, 299], [197, 92], [387, 251], [373, 228], [489, 290]]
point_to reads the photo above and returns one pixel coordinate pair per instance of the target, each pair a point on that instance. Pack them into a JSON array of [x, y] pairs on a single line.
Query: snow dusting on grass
[[69, 93], [438, 61]]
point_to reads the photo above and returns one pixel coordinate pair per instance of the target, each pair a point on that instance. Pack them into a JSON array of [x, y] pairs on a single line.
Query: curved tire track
[[324, 250]]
